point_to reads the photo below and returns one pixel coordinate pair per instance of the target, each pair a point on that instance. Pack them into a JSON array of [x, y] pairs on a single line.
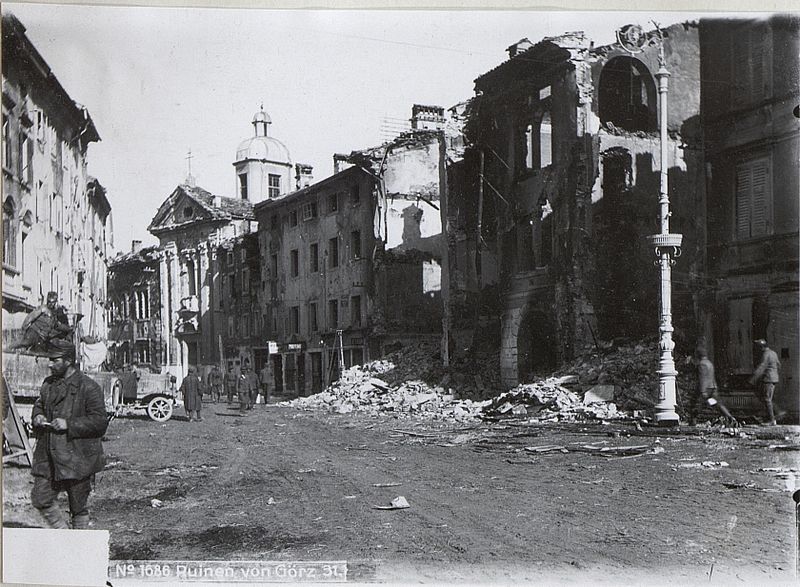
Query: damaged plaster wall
[[408, 224]]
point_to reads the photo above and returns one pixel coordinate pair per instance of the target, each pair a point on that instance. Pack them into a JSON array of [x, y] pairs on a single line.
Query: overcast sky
[[161, 81]]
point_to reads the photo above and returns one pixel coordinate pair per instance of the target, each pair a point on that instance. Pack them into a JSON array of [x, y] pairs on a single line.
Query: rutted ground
[[508, 501]]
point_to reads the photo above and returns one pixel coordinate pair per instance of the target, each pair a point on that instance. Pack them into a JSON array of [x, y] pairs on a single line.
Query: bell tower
[[263, 164]]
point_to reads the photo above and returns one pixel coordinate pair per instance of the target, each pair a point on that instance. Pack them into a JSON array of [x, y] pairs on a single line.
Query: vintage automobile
[[154, 393]]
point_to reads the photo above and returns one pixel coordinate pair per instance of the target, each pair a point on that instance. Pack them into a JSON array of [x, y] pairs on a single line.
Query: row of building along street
[[487, 327], [510, 224]]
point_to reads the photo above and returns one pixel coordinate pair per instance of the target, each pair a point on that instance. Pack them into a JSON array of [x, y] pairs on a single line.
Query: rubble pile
[[420, 361], [360, 389], [548, 399], [613, 382], [477, 378], [632, 371]]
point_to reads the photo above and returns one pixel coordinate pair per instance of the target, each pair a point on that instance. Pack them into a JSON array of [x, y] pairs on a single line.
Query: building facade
[[237, 317], [208, 270], [57, 231], [354, 262], [557, 188], [190, 225], [750, 103]]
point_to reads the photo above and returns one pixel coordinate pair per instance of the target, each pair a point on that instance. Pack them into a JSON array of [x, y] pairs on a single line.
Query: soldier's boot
[[80, 522], [55, 519]]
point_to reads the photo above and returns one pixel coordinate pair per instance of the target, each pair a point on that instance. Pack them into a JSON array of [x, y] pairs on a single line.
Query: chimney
[[338, 159], [217, 201], [304, 175], [519, 47], [427, 117], [136, 246]]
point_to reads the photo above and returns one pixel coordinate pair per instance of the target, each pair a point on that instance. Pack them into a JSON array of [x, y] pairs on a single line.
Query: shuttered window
[[753, 199], [751, 63]]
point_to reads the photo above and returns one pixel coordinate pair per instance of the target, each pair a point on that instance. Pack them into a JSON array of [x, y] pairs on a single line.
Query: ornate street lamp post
[[666, 245]]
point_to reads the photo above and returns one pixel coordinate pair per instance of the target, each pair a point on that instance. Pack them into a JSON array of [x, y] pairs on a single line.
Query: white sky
[[159, 81]]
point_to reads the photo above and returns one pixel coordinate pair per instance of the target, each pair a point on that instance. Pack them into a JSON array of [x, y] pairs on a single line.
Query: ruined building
[[358, 254], [558, 186], [750, 70], [57, 230], [133, 308]]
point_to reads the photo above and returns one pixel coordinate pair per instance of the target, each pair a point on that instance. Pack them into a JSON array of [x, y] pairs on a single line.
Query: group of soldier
[[245, 386], [764, 379]]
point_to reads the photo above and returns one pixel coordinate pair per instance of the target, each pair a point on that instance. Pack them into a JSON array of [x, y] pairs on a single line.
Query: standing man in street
[[264, 379], [247, 389], [215, 383], [69, 418], [192, 394], [136, 371], [231, 384], [766, 375]]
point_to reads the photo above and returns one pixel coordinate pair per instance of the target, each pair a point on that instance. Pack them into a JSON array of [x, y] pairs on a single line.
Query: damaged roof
[[143, 255], [538, 58], [370, 158], [213, 207]]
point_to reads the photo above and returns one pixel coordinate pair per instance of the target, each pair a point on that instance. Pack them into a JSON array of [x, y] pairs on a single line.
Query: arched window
[[627, 95], [9, 233]]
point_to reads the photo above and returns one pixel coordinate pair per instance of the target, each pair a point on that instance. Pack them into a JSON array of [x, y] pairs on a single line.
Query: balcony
[[190, 308], [184, 327]]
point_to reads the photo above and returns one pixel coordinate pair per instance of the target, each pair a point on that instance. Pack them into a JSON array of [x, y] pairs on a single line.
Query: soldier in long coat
[[192, 395], [231, 384], [247, 387]]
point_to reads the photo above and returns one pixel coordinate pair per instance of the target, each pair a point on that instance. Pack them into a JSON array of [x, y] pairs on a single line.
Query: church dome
[[262, 146], [267, 148]]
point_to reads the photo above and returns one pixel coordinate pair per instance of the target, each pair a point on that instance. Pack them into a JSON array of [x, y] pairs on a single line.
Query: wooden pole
[[479, 224]]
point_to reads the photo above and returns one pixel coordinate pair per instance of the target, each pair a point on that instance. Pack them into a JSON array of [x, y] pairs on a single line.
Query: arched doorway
[[627, 95], [536, 345]]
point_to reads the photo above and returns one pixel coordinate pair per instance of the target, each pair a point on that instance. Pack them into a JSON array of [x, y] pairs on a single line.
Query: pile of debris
[[627, 373], [360, 389], [549, 399], [612, 382], [476, 377], [420, 361]]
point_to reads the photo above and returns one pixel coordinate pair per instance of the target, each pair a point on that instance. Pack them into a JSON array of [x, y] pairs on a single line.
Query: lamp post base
[[668, 423]]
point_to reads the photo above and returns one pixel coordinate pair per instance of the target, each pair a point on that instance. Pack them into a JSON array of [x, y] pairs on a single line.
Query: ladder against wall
[[16, 446]]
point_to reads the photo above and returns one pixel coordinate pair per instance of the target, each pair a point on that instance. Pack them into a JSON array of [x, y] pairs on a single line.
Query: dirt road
[[281, 484]]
